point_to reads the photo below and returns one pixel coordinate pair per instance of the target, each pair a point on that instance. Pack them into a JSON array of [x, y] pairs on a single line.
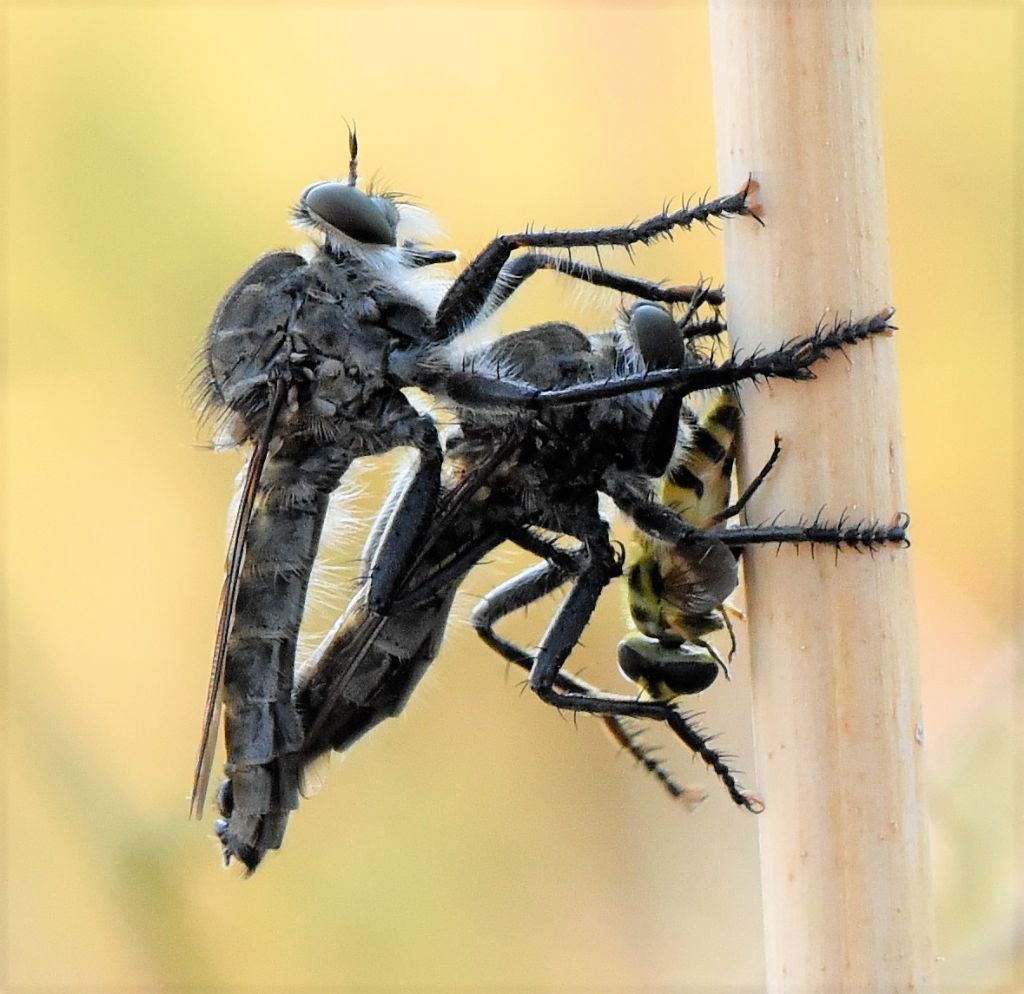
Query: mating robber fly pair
[[307, 359]]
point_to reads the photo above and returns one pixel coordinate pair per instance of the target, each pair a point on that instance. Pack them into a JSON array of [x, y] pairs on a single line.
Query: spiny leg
[[528, 587], [515, 594], [664, 523], [791, 361], [681, 724], [563, 634], [469, 294], [864, 535], [516, 271], [710, 327]]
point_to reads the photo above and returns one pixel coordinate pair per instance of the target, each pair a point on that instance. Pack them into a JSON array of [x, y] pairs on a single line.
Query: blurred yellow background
[[481, 840]]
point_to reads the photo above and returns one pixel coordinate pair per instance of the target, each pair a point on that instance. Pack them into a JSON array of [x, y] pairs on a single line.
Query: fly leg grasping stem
[[469, 294], [663, 523], [516, 271], [864, 535], [791, 361]]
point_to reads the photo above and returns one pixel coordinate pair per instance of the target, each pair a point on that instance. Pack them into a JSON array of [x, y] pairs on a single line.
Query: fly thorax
[[645, 587], [246, 338]]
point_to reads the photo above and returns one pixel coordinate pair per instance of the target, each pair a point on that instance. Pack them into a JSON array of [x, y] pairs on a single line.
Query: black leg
[[523, 590], [705, 328], [516, 271], [469, 294], [792, 361], [663, 523], [864, 535], [568, 560], [659, 441], [559, 640], [733, 509], [410, 517]]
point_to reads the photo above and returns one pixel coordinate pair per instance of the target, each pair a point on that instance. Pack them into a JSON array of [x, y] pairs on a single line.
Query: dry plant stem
[[837, 714]]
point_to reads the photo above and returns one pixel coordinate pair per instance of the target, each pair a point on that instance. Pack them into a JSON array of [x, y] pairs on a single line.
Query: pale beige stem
[[837, 711]]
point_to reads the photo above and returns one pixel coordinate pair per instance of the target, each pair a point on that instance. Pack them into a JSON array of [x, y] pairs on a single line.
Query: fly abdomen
[[261, 722]]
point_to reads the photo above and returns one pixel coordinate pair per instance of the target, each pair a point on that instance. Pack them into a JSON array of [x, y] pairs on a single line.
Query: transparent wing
[[226, 609]]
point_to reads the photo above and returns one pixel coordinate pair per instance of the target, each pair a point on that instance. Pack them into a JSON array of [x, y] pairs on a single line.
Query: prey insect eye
[[656, 336], [350, 211], [666, 670]]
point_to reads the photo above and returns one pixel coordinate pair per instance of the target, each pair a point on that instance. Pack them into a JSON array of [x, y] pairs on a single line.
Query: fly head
[[655, 335]]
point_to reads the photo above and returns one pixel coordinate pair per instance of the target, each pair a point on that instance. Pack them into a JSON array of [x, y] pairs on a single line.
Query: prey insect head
[[666, 670]]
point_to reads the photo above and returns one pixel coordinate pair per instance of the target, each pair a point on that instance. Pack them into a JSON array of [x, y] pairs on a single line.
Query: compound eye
[[350, 211], [656, 337], [666, 671]]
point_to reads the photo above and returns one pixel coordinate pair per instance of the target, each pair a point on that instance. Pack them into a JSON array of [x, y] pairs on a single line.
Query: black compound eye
[[350, 211], [666, 670], [656, 337]]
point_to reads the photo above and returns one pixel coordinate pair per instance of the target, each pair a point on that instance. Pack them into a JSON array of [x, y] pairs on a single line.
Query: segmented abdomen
[[261, 722], [698, 482]]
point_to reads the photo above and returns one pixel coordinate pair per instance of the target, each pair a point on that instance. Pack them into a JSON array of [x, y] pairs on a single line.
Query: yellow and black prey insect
[[667, 654]]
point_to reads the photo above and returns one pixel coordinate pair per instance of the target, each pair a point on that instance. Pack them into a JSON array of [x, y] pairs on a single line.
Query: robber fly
[[525, 476], [306, 359]]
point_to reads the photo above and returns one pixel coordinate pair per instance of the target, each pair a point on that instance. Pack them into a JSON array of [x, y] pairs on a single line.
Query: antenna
[[353, 154]]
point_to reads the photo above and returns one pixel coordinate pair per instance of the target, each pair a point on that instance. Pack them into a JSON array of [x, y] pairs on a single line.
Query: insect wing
[[704, 575], [226, 608]]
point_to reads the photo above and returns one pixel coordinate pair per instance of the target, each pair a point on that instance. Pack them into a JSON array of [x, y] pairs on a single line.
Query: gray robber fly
[[306, 358], [523, 476]]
